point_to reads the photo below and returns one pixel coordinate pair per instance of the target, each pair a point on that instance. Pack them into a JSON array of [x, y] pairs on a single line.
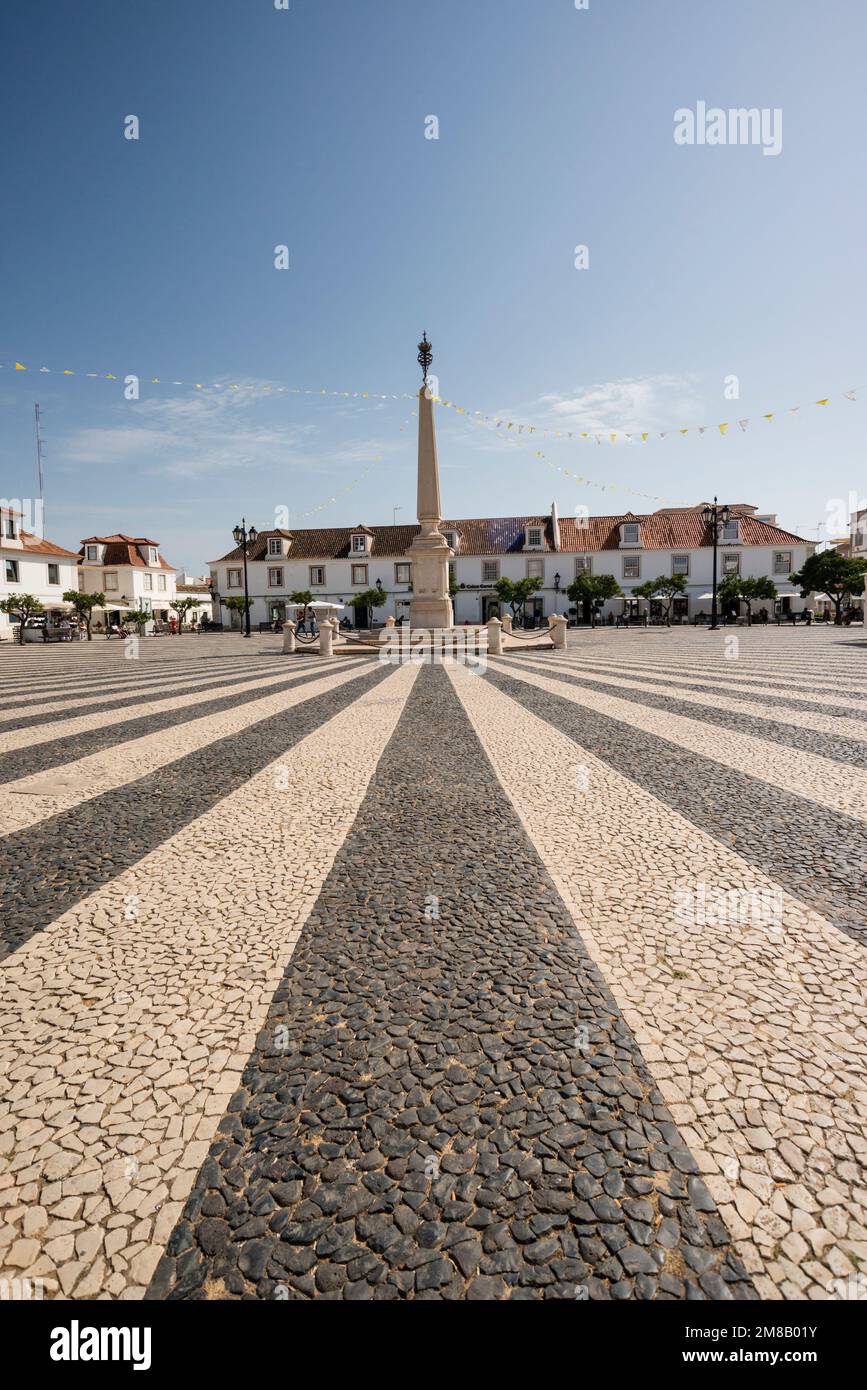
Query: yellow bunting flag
[[722, 428], [19, 367]]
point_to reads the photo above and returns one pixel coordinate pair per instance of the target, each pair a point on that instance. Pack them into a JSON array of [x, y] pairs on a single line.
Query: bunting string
[[611, 436]]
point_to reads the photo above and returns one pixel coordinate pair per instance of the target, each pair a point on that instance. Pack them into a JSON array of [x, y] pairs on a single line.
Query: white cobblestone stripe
[[76, 851], [755, 1029], [31, 799], [714, 684], [124, 1025], [78, 700], [840, 787], [789, 728]]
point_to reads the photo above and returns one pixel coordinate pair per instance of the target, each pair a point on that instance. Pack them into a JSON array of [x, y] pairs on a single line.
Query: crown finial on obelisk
[[425, 356]]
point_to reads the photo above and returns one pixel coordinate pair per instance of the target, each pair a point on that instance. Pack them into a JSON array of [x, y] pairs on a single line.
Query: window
[[730, 530], [109, 580], [161, 583], [402, 573], [148, 581], [490, 571], [153, 557], [451, 539], [583, 564], [782, 562], [630, 533], [11, 571], [359, 574], [275, 578], [215, 580], [632, 567], [317, 576], [680, 564], [82, 581], [535, 569], [92, 553], [54, 574], [275, 545], [359, 545], [731, 564], [10, 528], [233, 579], [534, 537]]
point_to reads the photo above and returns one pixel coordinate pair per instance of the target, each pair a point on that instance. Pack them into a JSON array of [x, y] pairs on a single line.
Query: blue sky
[[306, 127]]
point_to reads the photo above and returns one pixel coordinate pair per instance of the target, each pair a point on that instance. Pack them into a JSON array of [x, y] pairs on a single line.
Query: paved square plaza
[[341, 980]]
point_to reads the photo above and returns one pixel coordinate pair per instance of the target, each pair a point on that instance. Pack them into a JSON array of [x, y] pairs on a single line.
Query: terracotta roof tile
[[34, 546]]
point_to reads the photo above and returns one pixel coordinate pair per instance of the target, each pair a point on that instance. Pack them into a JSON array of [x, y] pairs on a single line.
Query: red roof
[[662, 530], [33, 545], [123, 550]]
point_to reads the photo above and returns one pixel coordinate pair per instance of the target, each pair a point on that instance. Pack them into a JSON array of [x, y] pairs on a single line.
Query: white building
[[199, 588], [29, 565], [337, 563], [132, 574]]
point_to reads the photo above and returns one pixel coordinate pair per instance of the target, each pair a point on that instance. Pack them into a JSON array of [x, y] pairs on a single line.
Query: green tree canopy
[[591, 590], [84, 604], [663, 588], [515, 592], [23, 607], [833, 574], [182, 606]]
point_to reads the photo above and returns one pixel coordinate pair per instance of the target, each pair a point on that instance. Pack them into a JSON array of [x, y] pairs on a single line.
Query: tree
[[515, 592], [303, 598], [752, 589], [663, 588], [182, 607], [137, 617], [454, 586], [728, 594], [591, 590], [238, 605], [832, 574], [23, 607], [368, 598], [84, 604]]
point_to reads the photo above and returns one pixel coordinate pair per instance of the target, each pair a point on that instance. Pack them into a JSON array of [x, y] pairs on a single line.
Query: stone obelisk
[[430, 606]]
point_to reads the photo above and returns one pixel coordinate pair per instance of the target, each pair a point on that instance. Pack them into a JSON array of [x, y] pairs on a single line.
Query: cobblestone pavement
[[343, 981]]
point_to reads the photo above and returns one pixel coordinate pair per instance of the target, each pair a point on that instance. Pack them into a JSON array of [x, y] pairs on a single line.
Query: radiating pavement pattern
[[344, 981]]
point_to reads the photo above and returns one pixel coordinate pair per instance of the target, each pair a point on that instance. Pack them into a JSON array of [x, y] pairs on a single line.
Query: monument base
[[432, 613]]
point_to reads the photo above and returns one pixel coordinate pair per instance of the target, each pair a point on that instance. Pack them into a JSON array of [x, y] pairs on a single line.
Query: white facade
[[335, 564], [132, 574], [29, 565]]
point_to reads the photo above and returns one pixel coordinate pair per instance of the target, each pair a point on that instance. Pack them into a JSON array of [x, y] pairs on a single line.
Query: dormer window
[[359, 543], [91, 554], [630, 533], [533, 538], [451, 539], [9, 528], [153, 557], [729, 531], [275, 545]]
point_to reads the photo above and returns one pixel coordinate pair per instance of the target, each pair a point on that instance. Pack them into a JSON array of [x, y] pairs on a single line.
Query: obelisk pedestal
[[430, 606]]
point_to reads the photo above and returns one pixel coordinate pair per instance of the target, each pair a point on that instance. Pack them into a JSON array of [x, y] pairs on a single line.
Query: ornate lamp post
[[244, 537], [715, 516], [425, 356], [557, 594]]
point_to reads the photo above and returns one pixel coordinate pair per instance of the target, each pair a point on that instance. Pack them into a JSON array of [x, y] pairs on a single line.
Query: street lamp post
[[245, 536], [715, 516], [557, 595]]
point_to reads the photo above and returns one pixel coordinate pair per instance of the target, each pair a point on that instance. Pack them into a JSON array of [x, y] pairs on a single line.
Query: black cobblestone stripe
[[45, 870], [125, 698], [724, 692], [22, 762], [420, 1118], [838, 748], [746, 673], [817, 854]]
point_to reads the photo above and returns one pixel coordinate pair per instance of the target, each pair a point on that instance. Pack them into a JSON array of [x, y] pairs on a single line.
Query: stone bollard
[[326, 637], [288, 637], [558, 632], [495, 637], [507, 623]]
